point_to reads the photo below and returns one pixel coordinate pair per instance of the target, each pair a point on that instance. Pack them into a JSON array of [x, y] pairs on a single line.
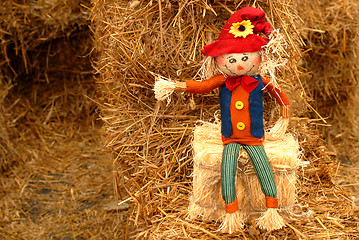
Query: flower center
[[242, 28]]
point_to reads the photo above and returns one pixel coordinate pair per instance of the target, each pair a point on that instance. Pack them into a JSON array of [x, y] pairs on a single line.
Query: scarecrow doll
[[237, 54]]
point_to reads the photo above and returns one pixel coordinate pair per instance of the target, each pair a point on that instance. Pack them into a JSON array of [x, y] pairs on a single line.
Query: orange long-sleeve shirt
[[239, 106]]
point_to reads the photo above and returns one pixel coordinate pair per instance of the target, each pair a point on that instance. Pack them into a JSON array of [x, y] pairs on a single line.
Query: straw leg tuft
[[270, 220], [232, 222]]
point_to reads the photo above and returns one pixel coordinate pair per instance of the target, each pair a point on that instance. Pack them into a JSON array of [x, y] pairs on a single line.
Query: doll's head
[[238, 64], [237, 49]]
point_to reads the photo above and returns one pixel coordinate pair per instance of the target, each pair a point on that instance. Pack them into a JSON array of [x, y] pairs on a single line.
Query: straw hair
[[274, 56]]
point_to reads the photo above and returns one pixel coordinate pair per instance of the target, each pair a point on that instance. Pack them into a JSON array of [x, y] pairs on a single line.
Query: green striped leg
[[228, 171], [263, 169]]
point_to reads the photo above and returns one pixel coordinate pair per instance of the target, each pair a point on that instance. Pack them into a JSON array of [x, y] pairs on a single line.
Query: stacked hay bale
[[29, 27], [42, 57], [7, 153], [151, 141], [331, 36]]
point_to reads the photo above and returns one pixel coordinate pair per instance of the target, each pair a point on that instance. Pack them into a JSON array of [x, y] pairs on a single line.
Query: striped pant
[[261, 167]]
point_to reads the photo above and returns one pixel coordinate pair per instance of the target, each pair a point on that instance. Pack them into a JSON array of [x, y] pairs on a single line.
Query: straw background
[[38, 51], [331, 37], [55, 181], [151, 141], [78, 75]]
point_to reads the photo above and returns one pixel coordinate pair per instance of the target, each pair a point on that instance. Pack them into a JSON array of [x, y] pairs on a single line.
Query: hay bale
[[331, 35], [207, 203], [7, 153], [26, 27], [43, 54], [137, 41], [57, 184]]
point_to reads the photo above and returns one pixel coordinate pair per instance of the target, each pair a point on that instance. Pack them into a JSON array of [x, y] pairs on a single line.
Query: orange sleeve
[[276, 92], [206, 85]]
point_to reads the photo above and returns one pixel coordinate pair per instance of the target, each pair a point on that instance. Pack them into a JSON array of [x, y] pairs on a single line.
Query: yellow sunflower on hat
[[241, 29]]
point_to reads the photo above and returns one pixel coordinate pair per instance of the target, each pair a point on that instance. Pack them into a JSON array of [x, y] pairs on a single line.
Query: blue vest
[[255, 101]]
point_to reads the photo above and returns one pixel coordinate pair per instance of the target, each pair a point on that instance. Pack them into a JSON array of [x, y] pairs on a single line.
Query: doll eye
[[245, 58], [232, 60]]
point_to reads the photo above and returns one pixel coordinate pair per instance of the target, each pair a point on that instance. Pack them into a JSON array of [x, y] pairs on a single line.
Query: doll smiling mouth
[[236, 73], [230, 70], [249, 70]]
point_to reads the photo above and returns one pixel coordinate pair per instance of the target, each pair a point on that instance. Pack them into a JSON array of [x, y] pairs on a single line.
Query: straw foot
[[232, 222], [270, 220]]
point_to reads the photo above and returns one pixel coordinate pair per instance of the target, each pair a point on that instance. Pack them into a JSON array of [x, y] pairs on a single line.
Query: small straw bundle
[[163, 89], [278, 130]]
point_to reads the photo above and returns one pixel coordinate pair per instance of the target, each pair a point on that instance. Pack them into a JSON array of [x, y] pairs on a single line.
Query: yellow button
[[241, 126], [239, 105]]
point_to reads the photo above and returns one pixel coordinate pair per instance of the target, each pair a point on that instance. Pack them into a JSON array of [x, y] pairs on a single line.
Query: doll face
[[238, 64]]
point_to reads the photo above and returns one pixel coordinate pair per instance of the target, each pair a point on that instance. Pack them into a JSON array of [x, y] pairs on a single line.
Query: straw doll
[[236, 53]]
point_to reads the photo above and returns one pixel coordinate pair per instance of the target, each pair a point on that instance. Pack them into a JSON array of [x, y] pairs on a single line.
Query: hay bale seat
[[206, 201]]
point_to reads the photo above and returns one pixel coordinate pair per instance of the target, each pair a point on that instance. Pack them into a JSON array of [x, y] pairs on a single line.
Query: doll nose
[[239, 67]]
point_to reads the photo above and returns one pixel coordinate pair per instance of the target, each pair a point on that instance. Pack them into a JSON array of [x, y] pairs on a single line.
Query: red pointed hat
[[241, 33]]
